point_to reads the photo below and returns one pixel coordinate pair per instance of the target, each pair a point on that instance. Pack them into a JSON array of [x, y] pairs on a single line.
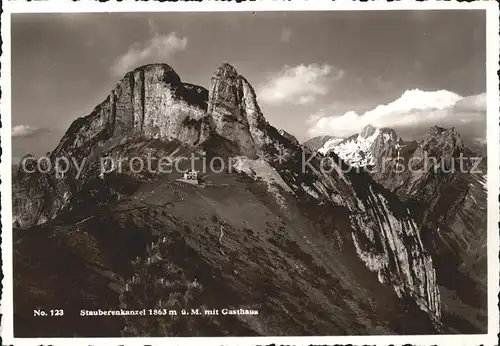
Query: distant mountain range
[[314, 251], [411, 114]]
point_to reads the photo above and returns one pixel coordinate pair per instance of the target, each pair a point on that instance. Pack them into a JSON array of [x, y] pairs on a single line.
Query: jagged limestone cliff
[[149, 102], [235, 112]]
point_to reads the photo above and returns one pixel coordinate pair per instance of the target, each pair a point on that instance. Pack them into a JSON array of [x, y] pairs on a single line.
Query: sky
[[315, 73]]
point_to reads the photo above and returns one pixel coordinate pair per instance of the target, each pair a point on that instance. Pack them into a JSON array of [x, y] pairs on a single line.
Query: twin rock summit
[[313, 250], [153, 102]]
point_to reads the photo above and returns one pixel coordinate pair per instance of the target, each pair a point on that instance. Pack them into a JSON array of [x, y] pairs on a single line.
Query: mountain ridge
[[295, 213], [445, 190]]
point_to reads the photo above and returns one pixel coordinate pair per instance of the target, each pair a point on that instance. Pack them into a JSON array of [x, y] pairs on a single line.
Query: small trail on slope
[[215, 210]]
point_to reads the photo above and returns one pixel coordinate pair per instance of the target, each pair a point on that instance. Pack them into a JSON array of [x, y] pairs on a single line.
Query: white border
[[20, 6]]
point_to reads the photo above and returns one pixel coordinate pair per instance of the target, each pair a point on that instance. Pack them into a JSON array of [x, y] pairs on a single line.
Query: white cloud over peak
[[411, 115], [300, 84], [159, 48], [24, 131]]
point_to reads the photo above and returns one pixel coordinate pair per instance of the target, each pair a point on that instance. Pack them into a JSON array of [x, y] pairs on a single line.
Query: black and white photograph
[[284, 173]]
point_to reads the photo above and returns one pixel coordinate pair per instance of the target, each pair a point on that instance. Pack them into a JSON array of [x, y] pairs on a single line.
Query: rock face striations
[[446, 191], [153, 102], [149, 102], [234, 111], [385, 236]]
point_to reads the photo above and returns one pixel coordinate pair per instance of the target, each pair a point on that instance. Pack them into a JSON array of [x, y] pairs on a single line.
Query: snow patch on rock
[[330, 145], [357, 152]]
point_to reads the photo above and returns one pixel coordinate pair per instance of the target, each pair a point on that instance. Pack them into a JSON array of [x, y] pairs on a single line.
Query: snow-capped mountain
[[330, 144], [363, 149]]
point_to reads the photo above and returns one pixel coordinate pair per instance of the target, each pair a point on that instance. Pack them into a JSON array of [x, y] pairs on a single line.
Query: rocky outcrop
[[446, 200], [443, 184], [234, 111], [149, 102], [36, 197], [434, 161], [386, 144], [152, 102], [387, 239]]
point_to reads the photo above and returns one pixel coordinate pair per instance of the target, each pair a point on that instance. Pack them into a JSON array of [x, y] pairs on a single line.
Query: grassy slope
[[303, 277]]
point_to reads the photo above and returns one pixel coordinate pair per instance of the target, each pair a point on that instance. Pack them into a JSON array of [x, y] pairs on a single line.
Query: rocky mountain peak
[[152, 102], [149, 102], [234, 111], [365, 148], [435, 130], [443, 142], [391, 132], [164, 72], [226, 70], [368, 131]]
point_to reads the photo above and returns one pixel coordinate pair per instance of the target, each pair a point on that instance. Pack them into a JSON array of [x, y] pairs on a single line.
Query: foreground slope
[[233, 238]]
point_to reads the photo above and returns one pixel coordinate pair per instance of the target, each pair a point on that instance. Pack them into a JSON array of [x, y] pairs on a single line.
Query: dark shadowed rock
[[288, 136]]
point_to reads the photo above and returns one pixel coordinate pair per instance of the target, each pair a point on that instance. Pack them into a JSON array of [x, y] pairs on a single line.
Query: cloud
[[303, 100], [475, 103], [411, 115], [286, 35], [301, 84], [157, 49], [37, 141], [25, 131]]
